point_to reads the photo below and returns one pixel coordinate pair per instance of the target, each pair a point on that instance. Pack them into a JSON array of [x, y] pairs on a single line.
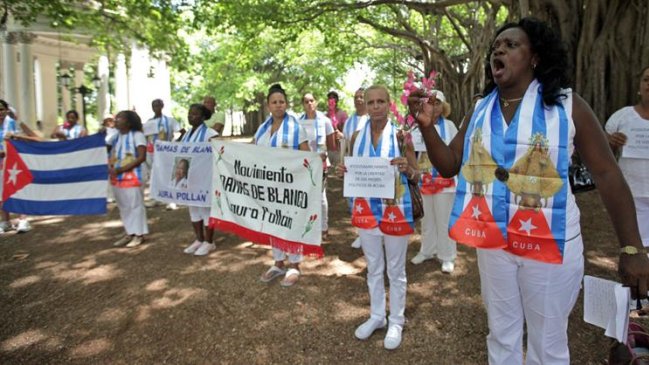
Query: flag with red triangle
[[432, 185], [16, 174], [530, 236], [362, 216], [394, 223], [475, 224]]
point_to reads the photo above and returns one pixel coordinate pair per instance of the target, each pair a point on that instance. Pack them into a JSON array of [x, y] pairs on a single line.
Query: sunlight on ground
[[156, 285], [27, 280], [115, 223], [28, 338], [170, 298], [49, 220], [111, 315], [81, 272], [333, 266], [606, 263], [90, 348]]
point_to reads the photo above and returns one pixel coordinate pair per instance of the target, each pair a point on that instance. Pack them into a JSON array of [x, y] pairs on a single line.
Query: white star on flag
[[391, 217], [359, 209], [13, 174], [476, 212], [527, 226]]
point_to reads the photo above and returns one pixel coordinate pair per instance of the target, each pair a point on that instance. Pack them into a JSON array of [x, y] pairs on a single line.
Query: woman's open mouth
[[497, 67]]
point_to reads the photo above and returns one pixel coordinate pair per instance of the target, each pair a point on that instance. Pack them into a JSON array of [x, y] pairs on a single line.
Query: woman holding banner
[[513, 201], [284, 131], [437, 193], [127, 154], [385, 225], [200, 216], [633, 121], [320, 133], [71, 129]]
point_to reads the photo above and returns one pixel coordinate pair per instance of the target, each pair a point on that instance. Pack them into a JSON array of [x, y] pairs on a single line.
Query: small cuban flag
[[56, 178]]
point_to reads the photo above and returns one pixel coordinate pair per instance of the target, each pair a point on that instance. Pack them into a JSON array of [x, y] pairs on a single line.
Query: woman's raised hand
[[421, 107]]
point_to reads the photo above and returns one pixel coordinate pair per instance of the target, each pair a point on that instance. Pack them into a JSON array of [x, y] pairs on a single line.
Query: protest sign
[[268, 195], [637, 144], [369, 177], [182, 173]]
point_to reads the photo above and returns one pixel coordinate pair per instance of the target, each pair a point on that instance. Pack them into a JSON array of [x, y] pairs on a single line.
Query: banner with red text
[[270, 196]]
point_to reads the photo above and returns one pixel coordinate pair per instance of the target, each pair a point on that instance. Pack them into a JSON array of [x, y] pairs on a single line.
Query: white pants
[[642, 214], [434, 227], [197, 214], [293, 258], [373, 242], [130, 202], [518, 291]]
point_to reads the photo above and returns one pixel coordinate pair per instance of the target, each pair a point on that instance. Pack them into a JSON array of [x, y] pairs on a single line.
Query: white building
[[31, 58]]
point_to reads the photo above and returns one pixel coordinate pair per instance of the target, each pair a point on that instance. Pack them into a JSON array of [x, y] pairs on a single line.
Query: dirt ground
[[67, 296]]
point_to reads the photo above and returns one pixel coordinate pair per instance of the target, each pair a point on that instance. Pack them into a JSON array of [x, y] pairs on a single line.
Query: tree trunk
[[607, 42]]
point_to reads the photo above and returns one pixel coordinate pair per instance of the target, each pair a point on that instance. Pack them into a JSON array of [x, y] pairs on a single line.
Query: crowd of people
[[497, 182]]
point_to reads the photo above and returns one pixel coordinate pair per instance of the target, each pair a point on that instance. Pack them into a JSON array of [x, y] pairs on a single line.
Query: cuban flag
[[56, 178]]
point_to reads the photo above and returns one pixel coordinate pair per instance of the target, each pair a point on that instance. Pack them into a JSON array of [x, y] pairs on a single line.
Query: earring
[[534, 66]]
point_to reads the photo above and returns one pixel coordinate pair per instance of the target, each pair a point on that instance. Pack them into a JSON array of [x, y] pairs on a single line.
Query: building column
[[26, 96], [139, 87], [78, 81], [9, 67], [48, 88], [103, 96], [121, 83]]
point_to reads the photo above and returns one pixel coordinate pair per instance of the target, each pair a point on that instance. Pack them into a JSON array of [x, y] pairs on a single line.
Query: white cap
[[439, 95]]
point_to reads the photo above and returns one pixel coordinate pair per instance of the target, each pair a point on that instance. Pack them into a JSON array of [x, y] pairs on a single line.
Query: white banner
[[182, 173], [369, 177], [268, 195]]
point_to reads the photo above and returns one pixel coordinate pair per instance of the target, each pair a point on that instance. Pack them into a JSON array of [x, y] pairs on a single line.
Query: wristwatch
[[632, 250]]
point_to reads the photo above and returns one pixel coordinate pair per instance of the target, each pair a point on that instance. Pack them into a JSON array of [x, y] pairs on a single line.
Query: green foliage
[[113, 24]]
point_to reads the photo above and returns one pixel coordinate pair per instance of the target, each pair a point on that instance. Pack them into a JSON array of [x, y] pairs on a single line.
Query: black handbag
[[580, 178], [416, 200], [415, 194]]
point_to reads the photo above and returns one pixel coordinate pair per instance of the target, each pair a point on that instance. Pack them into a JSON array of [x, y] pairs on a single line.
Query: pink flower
[[410, 121]]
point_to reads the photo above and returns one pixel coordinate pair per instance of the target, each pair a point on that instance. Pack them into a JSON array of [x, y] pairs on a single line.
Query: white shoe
[[419, 258], [365, 330], [122, 241], [23, 226], [193, 247], [135, 241], [4, 227], [393, 337], [204, 249], [357, 243], [171, 206], [448, 267]]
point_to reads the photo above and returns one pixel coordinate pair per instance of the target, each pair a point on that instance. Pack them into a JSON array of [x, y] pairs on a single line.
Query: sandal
[[291, 277], [272, 273]]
